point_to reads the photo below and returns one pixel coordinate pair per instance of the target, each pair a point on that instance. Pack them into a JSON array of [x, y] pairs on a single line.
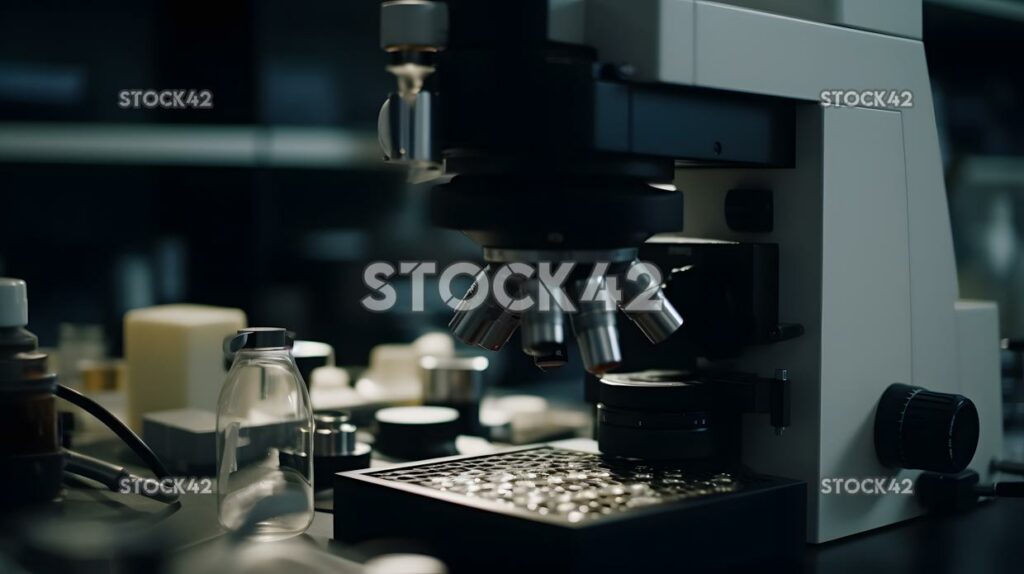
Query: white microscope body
[[861, 220]]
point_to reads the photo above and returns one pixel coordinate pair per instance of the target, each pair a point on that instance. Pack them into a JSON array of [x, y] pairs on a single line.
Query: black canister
[[416, 433]]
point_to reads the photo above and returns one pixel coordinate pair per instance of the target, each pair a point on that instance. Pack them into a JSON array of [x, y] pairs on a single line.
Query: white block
[[174, 357]]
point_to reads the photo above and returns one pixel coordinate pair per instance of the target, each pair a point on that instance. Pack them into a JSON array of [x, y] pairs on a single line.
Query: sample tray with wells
[[564, 509], [563, 484]]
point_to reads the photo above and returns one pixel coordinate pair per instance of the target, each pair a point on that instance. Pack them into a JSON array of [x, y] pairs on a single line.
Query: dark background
[[285, 229], [284, 239]]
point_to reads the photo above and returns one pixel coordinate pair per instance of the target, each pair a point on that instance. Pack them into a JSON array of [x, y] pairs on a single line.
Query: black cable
[[119, 428], [109, 475], [1009, 489], [1008, 466], [956, 492], [112, 476], [1002, 489]]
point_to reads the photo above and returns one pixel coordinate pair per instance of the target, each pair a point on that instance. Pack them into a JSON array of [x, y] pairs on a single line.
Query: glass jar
[[264, 439]]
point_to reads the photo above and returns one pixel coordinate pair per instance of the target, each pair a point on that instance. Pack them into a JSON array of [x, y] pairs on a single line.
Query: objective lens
[[594, 325], [487, 325], [543, 326], [646, 305]]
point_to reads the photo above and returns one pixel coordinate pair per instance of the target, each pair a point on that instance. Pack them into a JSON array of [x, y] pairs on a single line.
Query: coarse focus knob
[[920, 429]]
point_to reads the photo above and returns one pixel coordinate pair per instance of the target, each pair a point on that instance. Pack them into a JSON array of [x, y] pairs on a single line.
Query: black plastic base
[[761, 525]]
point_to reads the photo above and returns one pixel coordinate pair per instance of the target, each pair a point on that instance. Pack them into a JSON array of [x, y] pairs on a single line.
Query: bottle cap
[[259, 338], [13, 302]]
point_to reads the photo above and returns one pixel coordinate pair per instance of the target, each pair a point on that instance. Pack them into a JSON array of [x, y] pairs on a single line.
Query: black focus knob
[[920, 429]]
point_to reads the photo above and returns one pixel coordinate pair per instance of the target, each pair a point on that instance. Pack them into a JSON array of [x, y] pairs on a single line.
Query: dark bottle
[[30, 451]]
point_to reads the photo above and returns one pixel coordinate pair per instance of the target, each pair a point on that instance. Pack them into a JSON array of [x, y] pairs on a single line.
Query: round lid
[[260, 338], [13, 302], [415, 433], [406, 563], [313, 349], [26, 372], [458, 379], [334, 435], [331, 418], [435, 343], [454, 364], [310, 355], [417, 415]]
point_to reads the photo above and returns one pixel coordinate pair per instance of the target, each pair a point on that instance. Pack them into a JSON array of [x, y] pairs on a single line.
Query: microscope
[[808, 324]]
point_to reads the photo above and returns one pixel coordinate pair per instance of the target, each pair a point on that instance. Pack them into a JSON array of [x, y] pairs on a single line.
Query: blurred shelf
[[990, 171], [187, 145], [1006, 9]]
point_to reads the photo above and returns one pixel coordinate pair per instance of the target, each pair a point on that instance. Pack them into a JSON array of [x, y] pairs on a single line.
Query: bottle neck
[[282, 355], [279, 353]]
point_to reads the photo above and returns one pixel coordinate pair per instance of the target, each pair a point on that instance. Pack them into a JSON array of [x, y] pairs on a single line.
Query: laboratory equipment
[[264, 388], [32, 451], [173, 356], [586, 513], [186, 440], [456, 382], [310, 355], [815, 240], [335, 449], [413, 433]]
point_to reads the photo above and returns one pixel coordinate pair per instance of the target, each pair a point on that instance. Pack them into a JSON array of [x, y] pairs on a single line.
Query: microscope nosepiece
[[590, 309]]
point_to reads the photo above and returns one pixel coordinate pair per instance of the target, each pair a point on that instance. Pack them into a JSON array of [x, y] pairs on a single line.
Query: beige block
[[174, 357]]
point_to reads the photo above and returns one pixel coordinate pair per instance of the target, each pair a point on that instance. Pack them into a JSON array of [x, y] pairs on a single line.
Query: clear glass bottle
[[264, 438]]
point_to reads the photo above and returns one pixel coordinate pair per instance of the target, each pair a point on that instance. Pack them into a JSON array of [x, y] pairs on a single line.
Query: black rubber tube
[[119, 428]]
